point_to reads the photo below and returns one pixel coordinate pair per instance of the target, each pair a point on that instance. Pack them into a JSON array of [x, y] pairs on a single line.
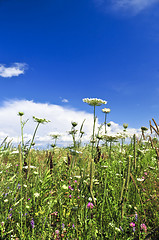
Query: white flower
[[15, 151], [25, 167], [6, 200], [32, 166], [106, 110], [94, 101], [77, 176], [25, 185], [64, 187], [36, 194], [140, 179], [36, 173]]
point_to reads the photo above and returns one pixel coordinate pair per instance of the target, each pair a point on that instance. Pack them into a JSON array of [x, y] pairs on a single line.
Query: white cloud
[[134, 6], [65, 100], [60, 117], [15, 70]]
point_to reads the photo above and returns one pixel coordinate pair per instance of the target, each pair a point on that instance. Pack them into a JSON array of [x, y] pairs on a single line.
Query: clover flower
[[132, 224], [94, 101], [106, 110], [143, 227], [90, 205]]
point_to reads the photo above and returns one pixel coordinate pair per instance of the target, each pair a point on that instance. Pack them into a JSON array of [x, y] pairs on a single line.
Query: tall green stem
[[105, 123], [33, 138], [93, 133]]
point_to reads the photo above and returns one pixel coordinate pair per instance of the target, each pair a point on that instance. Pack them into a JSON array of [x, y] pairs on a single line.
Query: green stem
[[105, 122], [22, 125], [33, 139], [93, 133]]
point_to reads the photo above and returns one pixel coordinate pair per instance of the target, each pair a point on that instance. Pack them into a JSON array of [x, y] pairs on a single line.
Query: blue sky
[[56, 50]]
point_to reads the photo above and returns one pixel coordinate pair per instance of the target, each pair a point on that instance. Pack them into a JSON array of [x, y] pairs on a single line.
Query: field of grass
[[97, 191]]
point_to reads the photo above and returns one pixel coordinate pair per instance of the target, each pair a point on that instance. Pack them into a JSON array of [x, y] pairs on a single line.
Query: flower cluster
[[94, 101], [106, 110], [90, 205]]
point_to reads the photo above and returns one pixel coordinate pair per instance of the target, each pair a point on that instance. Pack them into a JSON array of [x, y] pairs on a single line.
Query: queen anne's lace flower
[[94, 101], [106, 110]]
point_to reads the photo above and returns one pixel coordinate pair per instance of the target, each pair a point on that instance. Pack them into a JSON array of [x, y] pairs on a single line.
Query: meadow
[[106, 189]]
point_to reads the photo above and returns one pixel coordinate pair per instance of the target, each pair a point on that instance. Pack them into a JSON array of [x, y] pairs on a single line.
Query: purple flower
[[136, 217], [63, 225], [70, 196], [32, 223], [73, 225], [132, 224], [143, 227], [90, 205], [121, 228]]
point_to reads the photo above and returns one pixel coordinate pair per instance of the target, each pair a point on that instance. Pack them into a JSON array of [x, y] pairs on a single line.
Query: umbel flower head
[[94, 101], [144, 128], [106, 110], [40, 120]]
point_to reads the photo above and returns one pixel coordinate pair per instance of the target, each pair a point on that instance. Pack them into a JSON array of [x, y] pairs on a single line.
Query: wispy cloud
[[13, 71], [60, 117], [134, 6], [65, 100]]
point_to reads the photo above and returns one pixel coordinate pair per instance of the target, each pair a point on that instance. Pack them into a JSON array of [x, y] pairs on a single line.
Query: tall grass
[[55, 199]]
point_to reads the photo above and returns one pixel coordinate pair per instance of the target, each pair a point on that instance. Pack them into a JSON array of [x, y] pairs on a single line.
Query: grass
[[99, 191], [37, 202]]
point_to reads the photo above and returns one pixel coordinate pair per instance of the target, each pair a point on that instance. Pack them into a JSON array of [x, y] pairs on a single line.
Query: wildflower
[[106, 110], [75, 181], [64, 187], [136, 216], [140, 179], [121, 228], [70, 196], [40, 120], [143, 227], [28, 199], [6, 200], [73, 225], [2, 223], [57, 232], [20, 114], [69, 187], [132, 224], [90, 205], [145, 173], [63, 225], [94, 101], [125, 125], [36, 194], [32, 223]]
